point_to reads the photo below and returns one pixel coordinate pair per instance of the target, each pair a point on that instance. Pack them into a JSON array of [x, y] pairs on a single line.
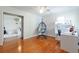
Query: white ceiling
[[34, 9], [53, 9]]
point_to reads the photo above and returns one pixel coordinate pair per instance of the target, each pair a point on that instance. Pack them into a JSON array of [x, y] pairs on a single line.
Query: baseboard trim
[[37, 36]]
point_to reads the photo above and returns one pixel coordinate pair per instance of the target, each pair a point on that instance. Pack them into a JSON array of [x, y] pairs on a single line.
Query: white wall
[[30, 20], [49, 19], [1, 32], [31, 26], [73, 16]]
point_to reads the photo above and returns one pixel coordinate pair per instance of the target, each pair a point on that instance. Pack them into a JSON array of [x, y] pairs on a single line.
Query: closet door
[[1, 28]]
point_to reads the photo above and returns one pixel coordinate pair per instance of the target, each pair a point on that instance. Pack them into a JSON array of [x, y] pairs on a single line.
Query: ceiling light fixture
[[43, 9]]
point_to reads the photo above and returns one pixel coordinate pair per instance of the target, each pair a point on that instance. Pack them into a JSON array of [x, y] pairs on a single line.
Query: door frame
[[22, 24]]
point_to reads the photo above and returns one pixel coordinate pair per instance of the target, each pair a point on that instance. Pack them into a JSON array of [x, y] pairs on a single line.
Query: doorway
[[12, 27]]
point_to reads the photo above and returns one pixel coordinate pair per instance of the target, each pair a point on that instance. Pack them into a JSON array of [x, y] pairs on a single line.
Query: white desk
[[69, 43]]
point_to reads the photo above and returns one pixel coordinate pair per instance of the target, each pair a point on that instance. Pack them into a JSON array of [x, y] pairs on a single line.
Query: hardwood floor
[[32, 45]]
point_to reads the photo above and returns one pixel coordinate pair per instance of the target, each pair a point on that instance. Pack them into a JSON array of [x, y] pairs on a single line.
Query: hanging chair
[[41, 30]]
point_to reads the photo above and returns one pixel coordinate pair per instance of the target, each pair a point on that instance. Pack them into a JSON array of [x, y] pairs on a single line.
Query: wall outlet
[[78, 43], [78, 50]]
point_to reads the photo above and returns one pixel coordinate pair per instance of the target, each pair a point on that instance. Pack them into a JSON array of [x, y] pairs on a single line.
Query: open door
[[13, 27]]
